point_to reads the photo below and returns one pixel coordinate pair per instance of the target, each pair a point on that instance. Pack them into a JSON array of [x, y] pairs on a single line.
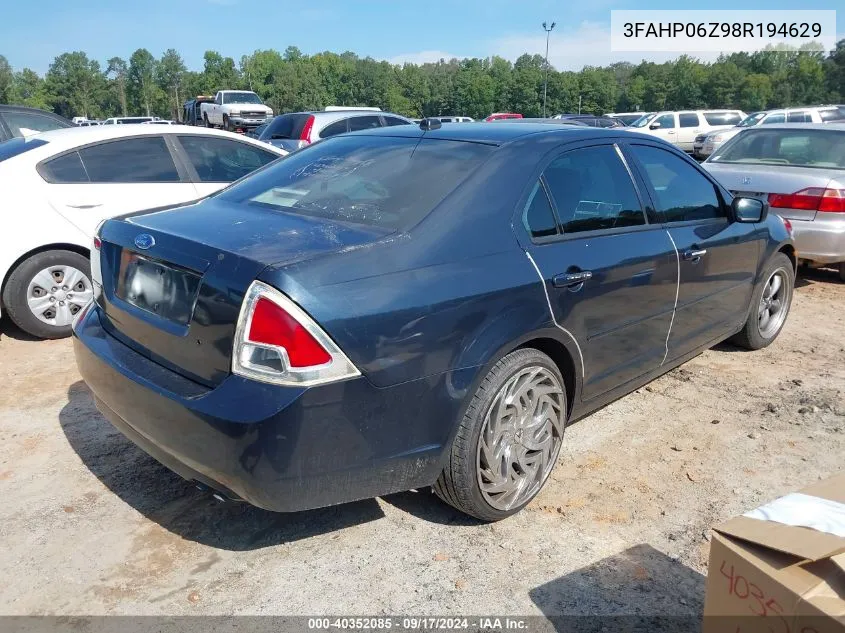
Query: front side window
[[751, 120], [682, 193], [134, 160], [780, 117], [688, 119], [592, 190], [392, 120], [380, 181], [222, 160], [799, 117], [538, 217], [29, 123], [823, 148], [666, 121]]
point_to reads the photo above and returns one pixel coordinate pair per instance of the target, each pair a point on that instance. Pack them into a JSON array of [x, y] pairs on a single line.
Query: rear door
[[106, 179], [214, 162], [717, 258], [689, 126], [611, 274]]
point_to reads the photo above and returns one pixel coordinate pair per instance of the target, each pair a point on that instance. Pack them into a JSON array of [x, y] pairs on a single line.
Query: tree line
[[75, 85]]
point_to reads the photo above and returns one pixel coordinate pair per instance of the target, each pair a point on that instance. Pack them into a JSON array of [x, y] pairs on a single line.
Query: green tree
[[76, 86], [28, 89], [756, 92], [117, 71], [220, 73], [144, 94], [6, 77], [170, 73]]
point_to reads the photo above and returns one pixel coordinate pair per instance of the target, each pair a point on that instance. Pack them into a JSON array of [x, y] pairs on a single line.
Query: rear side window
[[798, 117], [592, 191], [380, 181], [132, 160], [363, 123], [722, 118], [67, 168], [29, 123], [688, 119], [682, 192], [338, 127], [223, 160], [287, 126], [16, 146], [538, 217], [834, 114]]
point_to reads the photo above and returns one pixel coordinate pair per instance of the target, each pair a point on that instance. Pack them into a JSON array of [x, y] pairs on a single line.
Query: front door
[[610, 274], [717, 257], [667, 128]]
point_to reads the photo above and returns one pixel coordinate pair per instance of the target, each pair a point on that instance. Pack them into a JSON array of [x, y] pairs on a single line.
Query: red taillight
[[810, 199], [306, 129], [276, 341], [97, 242], [271, 325]]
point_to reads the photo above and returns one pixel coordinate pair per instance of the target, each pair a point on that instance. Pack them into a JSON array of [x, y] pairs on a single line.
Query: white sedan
[[56, 188]]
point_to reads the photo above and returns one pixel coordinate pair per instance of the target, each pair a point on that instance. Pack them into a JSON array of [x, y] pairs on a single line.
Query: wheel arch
[[789, 251], [59, 246], [561, 356]]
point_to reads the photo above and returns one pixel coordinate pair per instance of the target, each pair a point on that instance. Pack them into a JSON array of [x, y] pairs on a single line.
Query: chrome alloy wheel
[[57, 293], [774, 303], [521, 437]]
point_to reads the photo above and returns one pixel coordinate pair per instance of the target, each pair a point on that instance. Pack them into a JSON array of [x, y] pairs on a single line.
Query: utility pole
[[548, 30]]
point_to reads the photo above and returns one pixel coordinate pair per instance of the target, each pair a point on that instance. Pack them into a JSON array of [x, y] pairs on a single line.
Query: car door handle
[[670, 132], [694, 256], [566, 280], [86, 205]]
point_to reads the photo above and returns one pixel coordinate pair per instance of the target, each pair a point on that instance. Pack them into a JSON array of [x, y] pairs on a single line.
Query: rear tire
[[206, 121], [509, 438], [35, 297], [770, 303]]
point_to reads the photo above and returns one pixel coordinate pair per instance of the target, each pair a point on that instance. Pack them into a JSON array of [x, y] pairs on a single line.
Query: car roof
[[499, 133], [20, 108], [67, 138], [838, 127]]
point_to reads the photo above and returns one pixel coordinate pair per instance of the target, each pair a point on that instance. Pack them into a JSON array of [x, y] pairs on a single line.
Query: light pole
[[548, 30]]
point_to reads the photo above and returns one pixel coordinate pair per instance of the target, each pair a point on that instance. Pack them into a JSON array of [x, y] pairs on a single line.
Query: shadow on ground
[[639, 589], [809, 276], [7, 328], [175, 504]]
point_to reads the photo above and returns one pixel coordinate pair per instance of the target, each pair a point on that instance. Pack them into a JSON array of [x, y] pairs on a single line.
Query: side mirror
[[654, 126], [749, 210]]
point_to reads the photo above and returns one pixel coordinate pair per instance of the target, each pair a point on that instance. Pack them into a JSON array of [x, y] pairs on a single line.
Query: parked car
[[681, 128], [800, 171], [129, 120], [295, 130], [549, 121], [397, 308], [89, 123], [706, 143], [57, 186], [160, 122], [19, 121], [591, 120], [192, 110], [627, 118], [233, 109], [503, 115], [455, 119]]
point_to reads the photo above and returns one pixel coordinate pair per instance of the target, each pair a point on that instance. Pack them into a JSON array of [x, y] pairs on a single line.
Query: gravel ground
[[92, 525]]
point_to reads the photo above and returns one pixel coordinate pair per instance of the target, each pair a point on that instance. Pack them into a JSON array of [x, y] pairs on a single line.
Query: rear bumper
[[821, 240], [282, 449]]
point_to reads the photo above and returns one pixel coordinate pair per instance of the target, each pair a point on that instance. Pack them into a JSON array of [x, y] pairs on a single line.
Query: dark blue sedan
[[410, 307]]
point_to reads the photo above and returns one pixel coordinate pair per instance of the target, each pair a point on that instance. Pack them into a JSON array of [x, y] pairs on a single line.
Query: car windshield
[[240, 97], [16, 146], [822, 148], [751, 120], [642, 121], [386, 182]]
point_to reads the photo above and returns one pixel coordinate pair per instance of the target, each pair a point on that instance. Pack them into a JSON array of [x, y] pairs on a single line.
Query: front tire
[[509, 438], [770, 305], [226, 125], [46, 291]]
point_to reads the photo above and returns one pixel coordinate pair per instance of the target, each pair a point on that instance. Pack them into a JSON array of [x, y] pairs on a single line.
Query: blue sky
[[396, 30]]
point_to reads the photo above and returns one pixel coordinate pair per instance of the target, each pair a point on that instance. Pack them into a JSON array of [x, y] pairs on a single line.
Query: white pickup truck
[[234, 109]]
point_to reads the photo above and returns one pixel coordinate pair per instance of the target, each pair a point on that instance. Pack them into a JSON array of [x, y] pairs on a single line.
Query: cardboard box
[[770, 577]]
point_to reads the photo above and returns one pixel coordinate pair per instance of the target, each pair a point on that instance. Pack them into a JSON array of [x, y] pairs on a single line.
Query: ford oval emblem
[[144, 241]]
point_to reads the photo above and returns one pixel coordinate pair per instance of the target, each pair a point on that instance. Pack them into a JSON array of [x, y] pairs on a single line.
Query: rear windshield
[[380, 181], [286, 126], [18, 145], [822, 148], [722, 118]]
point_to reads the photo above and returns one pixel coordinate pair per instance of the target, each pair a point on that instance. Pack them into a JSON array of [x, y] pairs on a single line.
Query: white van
[[680, 128]]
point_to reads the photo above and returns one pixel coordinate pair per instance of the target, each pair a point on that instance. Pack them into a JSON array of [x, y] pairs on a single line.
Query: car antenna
[[430, 123]]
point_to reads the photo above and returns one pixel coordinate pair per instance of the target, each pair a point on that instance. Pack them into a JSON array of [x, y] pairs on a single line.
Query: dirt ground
[[92, 525]]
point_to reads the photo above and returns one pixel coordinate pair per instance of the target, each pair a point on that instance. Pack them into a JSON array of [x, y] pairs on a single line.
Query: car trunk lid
[[173, 280], [759, 181]]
